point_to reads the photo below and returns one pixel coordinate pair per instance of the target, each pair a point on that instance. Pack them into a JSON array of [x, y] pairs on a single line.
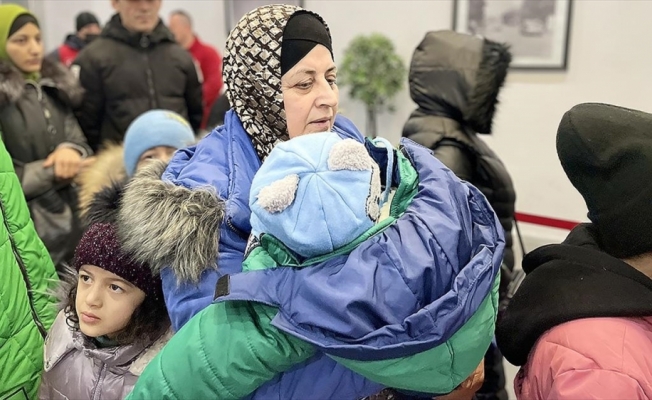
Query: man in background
[[87, 29], [133, 67], [207, 57]]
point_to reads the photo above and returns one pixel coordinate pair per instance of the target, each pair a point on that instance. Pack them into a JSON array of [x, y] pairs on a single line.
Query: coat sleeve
[[193, 96], [91, 111], [75, 137], [456, 159], [226, 351], [595, 384]]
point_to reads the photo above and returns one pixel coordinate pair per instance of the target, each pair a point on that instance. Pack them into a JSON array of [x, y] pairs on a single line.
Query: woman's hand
[[466, 390], [66, 161]]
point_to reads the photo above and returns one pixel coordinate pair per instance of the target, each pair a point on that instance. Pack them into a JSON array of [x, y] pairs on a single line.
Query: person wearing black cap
[[580, 325], [40, 130], [87, 30], [281, 81], [133, 67]]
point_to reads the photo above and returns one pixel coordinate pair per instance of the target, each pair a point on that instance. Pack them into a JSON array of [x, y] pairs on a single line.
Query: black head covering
[[84, 19], [21, 21], [302, 33]]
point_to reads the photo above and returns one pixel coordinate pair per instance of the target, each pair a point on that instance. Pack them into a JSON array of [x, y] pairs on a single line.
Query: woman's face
[[105, 302], [25, 48], [310, 93]]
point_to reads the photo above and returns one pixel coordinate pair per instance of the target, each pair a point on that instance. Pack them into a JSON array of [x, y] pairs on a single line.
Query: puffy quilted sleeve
[[595, 384]]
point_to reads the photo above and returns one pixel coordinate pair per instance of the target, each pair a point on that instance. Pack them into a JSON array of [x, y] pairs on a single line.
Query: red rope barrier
[[546, 221]]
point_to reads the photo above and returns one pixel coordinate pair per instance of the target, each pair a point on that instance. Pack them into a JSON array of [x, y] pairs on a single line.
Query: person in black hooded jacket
[[133, 67], [580, 325], [455, 79]]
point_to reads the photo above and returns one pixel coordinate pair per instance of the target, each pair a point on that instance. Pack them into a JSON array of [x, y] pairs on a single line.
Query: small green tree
[[374, 74]]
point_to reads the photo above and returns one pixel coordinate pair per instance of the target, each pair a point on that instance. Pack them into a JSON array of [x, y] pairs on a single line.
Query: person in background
[[580, 325], [218, 112], [455, 79], [209, 60], [133, 67], [87, 30], [155, 135], [40, 131]]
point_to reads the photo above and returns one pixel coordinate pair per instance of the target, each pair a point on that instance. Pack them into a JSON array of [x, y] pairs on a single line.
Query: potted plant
[[374, 74]]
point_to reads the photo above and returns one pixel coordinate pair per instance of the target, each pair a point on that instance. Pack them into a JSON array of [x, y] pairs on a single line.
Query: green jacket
[[26, 309], [236, 346]]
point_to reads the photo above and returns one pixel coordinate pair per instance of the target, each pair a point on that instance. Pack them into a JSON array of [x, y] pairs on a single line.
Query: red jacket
[[210, 63]]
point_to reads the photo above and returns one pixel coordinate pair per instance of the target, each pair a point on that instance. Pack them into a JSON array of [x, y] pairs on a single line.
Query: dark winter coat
[[126, 74], [36, 118], [455, 80]]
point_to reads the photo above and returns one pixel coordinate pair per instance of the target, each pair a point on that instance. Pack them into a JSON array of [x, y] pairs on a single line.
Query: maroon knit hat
[[99, 246]]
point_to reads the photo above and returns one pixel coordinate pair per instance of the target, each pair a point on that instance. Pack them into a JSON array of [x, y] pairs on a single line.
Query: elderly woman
[[421, 289], [40, 131]]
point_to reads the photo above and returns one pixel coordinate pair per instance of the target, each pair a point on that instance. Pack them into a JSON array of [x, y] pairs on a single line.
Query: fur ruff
[[166, 225], [489, 79], [12, 83], [106, 176]]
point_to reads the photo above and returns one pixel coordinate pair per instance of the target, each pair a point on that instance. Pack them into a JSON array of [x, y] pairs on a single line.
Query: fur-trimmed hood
[[54, 76], [459, 76], [166, 225], [106, 173]]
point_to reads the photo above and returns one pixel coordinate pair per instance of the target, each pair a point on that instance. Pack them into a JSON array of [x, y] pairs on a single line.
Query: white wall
[[609, 61]]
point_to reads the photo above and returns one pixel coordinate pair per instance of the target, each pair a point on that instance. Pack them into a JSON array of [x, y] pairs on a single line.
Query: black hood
[[74, 42], [566, 282], [115, 30], [459, 76]]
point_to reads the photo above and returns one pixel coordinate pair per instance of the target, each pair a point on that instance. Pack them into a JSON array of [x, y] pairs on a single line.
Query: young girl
[[114, 321]]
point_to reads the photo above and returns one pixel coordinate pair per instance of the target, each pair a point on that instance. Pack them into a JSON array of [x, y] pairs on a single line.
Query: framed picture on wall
[[537, 30], [235, 9]]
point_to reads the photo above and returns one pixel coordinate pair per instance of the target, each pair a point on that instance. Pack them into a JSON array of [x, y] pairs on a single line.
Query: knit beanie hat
[[252, 70], [84, 19], [152, 129], [606, 152], [100, 246], [12, 18], [316, 193]]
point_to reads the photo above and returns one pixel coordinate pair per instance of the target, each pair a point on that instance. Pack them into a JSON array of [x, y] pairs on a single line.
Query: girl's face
[[25, 48], [105, 302], [310, 94]]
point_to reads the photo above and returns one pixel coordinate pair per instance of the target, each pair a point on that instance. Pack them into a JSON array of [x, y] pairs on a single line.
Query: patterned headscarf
[[252, 73]]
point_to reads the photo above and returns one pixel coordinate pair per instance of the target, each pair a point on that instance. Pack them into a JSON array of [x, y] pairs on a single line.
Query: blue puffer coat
[[468, 247]]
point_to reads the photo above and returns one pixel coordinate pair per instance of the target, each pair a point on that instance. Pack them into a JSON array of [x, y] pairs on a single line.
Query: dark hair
[[183, 14], [148, 322]]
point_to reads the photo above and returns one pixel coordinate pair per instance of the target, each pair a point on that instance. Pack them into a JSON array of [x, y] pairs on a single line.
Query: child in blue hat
[[316, 193], [154, 135]]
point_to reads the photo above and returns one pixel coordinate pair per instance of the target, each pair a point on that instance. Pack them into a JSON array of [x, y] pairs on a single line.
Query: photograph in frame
[[537, 30], [235, 9]]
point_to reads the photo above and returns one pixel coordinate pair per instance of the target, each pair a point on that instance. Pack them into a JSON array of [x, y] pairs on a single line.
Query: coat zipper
[[236, 230], [144, 43], [23, 270], [100, 381]]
